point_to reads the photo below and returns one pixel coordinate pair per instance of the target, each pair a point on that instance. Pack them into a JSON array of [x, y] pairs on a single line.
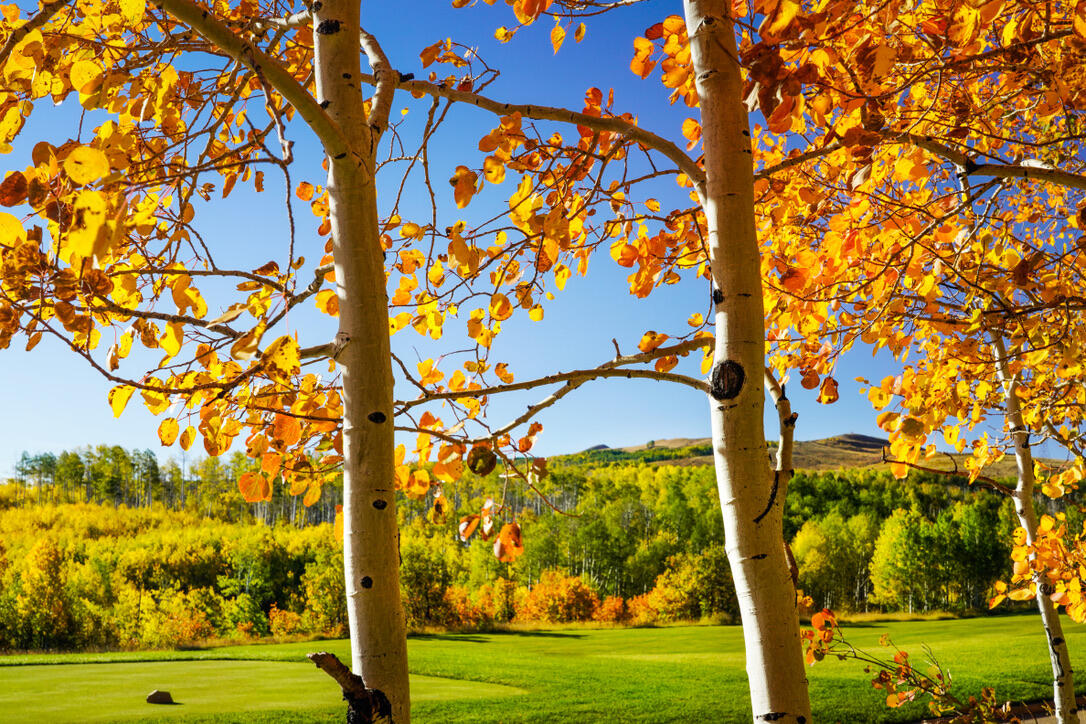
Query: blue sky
[[53, 401]]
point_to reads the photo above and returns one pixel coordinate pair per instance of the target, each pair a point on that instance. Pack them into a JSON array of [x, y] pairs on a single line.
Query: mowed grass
[[675, 674]]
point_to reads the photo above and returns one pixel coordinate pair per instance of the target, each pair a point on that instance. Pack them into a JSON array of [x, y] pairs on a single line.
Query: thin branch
[[984, 480], [1026, 170], [796, 160], [547, 113], [44, 15], [252, 57], [608, 369]]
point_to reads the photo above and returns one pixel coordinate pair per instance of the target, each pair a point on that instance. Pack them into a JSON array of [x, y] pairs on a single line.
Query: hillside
[[831, 453]]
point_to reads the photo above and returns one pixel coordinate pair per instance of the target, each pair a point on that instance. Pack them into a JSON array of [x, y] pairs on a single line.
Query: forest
[[105, 548]]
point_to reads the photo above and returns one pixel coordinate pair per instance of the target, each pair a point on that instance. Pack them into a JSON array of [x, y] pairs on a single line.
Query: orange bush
[[640, 610], [611, 610], [462, 611], [283, 623], [558, 598]]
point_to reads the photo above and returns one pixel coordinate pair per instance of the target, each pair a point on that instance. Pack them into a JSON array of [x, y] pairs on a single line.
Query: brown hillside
[[840, 451]]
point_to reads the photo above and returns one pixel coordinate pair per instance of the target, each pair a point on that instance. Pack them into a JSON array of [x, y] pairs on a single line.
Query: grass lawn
[[679, 674]]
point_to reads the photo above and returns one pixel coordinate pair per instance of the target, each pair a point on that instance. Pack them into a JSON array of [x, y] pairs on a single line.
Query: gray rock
[[159, 697]]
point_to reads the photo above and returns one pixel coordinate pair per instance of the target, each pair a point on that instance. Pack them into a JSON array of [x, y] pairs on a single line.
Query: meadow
[[669, 674]]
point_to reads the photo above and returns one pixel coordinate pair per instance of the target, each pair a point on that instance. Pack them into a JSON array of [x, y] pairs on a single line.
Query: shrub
[[611, 610], [283, 623], [558, 598], [640, 610]]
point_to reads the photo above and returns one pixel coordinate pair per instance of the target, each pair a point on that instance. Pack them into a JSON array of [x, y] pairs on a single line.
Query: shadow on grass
[[479, 638]]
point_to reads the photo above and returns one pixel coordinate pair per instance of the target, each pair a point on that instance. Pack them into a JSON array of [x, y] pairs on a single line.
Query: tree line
[[112, 475], [120, 556]]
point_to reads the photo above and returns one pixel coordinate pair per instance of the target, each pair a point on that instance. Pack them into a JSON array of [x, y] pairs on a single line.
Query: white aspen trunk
[[1063, 679], [371, 544], [749, 495]]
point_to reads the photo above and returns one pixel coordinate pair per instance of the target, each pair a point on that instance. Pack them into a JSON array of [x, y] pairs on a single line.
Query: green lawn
[[680, 674]]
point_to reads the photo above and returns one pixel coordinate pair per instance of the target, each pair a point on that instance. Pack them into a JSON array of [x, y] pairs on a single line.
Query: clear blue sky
[[53, 401]]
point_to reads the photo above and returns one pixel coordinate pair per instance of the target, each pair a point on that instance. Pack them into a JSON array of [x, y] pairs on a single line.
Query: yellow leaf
[[652, 205], [83, 72], [312, 494], [578, 34], [118, 398], [11, 228], [558, 35], [167, 431], [132, 10], [283, 355], [247, 344], [85, 165], [171, 339], [187, 437], [90, 211], [500, 308], [536, 313], [786, 13]]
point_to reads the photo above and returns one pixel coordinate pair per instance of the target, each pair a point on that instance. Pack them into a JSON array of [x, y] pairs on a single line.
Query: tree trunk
[[371, 544], [747, 486], [1063, 679]]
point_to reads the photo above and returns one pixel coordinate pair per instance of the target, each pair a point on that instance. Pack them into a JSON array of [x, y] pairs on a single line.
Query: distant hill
[[831, 453]]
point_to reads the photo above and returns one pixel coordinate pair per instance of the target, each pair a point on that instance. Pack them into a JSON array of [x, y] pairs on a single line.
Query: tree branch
[[786, 419], [796, 160], [983, 480], [252, 57], [386, 80], [546, 113], [607, 369], [44, 15], [1033, 171]]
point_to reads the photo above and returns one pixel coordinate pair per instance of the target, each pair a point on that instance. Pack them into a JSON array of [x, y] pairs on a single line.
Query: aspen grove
[[853, 174]]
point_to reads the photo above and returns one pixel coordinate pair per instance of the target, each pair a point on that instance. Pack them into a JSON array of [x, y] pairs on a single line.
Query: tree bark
[[749, 490], [1063, 679], [371, 545]]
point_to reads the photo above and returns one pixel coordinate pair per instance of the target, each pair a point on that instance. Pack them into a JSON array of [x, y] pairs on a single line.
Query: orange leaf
[[270, 463], [509, 546], [304, 191], [468, 524], [651, 340], [827, 395], [254, 487], [286, 430]]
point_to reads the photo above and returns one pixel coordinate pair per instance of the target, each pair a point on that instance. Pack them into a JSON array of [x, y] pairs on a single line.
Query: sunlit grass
[[673, 674]]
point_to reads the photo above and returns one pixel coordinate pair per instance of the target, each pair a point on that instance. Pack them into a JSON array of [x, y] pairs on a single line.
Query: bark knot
[[727, 380], [328, 27]]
